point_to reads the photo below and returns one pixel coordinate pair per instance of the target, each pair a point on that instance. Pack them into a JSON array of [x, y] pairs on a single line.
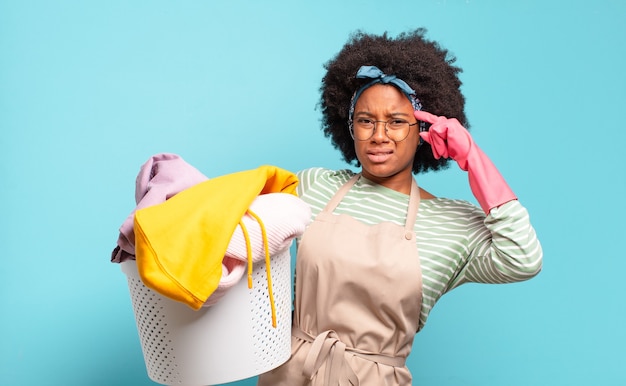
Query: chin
[[383, 172], [379, 173]]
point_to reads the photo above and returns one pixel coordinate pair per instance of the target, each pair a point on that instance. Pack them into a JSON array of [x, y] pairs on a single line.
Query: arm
[[503, 247]]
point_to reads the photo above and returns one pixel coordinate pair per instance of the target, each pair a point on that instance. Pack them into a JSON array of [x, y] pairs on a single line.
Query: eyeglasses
[[396, 129]]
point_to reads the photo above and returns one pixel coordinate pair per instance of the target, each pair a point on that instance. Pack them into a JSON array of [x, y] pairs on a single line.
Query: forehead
[[382, 97]]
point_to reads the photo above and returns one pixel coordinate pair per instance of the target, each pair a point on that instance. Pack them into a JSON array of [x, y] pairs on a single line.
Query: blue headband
[[377, 76]]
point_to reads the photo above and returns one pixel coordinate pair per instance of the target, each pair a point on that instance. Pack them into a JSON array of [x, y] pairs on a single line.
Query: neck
[[399, 183]]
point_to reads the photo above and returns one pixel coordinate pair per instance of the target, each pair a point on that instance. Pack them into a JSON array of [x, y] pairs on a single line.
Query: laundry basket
[[229, 341]]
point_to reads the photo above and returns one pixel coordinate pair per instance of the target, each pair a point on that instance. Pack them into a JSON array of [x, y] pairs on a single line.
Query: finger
[[438, 144], [428, 139], [424, 116]]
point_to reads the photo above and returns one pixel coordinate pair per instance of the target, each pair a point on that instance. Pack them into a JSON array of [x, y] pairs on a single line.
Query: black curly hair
[[423, 64]]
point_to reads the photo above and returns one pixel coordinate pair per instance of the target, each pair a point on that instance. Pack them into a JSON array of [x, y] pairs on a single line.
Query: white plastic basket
[[229, 341]]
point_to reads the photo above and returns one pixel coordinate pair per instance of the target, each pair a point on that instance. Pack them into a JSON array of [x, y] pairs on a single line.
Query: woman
[[382, 251]]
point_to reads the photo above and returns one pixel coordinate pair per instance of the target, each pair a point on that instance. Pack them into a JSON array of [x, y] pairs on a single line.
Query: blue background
[[89, 90]]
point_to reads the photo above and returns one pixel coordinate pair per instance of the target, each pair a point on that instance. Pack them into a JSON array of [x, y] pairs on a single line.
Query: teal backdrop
[[90, 89]]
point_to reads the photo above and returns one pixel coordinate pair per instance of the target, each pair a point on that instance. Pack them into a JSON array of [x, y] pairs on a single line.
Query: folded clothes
[[180, 243], [283, 217], [192, 236]]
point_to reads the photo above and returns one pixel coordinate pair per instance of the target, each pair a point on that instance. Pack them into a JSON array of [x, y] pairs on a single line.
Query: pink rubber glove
[[449, 139]]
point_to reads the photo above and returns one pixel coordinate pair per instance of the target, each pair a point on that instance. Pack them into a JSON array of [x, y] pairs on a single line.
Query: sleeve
[[502, 247], [307, 178]]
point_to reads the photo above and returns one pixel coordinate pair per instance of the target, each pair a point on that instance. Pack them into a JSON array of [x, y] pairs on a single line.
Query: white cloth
[[284, 217]]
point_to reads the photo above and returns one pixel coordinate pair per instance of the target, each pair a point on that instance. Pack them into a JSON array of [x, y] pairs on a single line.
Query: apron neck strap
[[414, 203], [332, 204]]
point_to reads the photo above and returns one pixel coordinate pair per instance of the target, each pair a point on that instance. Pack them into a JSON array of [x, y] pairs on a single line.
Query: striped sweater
[[457, 243]]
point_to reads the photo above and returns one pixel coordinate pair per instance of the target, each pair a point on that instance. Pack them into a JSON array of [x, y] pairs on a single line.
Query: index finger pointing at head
[[424, 116]]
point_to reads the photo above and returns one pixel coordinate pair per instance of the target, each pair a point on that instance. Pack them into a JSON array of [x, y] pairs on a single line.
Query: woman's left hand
[[447, 137]]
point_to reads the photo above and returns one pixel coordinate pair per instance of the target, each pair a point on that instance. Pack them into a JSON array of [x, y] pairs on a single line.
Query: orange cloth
[[180, 243]]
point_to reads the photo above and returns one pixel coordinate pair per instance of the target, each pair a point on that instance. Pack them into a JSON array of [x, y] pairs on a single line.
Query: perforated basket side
[[231, 340], [271, 344], [149, 308]]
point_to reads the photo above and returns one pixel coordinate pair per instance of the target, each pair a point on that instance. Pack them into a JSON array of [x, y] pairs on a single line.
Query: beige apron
[[358, 301]]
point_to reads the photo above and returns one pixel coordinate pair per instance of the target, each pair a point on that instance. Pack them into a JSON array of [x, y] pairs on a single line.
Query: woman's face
[[384, 161]]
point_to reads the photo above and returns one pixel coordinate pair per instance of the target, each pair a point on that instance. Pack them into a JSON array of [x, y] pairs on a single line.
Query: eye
[[364, 122], [396, 123]]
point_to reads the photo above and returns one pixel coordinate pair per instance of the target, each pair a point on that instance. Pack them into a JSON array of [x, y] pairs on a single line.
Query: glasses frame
[[351, 124]]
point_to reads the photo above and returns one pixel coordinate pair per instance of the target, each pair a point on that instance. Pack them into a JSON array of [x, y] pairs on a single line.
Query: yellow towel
[[180, 243]]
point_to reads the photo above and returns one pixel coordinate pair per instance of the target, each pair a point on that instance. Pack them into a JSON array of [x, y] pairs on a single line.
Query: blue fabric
[[377, 76]]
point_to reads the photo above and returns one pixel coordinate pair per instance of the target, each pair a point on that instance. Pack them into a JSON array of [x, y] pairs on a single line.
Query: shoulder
[[452, 209], [320, 178]]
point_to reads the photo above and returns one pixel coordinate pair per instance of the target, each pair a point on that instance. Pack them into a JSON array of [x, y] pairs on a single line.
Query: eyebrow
[[394, 114]]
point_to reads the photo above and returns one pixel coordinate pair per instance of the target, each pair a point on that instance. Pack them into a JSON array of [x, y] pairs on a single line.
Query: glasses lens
[[363, 129], [395, 129]]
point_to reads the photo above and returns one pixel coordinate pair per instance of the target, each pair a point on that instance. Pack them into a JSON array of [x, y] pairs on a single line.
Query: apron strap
[[332, 204], [414, 203], [328, 348]]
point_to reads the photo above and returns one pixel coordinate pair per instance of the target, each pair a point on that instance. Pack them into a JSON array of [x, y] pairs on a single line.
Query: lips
[[379, 155]]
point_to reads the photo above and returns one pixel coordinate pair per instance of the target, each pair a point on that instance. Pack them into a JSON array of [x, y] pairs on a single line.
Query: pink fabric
[[284, 217], [448, 138], [160, 178]]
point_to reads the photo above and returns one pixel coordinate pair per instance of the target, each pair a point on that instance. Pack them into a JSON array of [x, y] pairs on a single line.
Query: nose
[[380, 135]]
